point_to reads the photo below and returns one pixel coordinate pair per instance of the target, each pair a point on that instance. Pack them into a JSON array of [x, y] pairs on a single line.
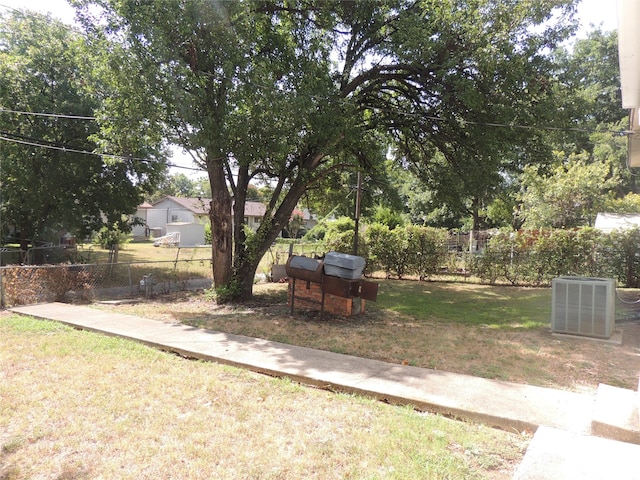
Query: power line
[[53, 115], [51, 146], [462, 122], [64, 149], [407, 114], [339, 101]]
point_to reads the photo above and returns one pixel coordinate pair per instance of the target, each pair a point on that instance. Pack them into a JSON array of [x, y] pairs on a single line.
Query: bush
[[496, 260], [381, 248], [535, 257], [207, 233], [340, 234], [621, 257], [410, 250], [427, 250], [108, 238], [388, 217], [317, 233]]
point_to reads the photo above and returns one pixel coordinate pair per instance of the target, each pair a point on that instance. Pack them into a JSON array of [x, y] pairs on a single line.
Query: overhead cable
[[86, 152], [53, 115]]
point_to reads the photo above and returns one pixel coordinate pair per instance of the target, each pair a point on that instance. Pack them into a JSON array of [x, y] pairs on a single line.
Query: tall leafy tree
[[592, 175], [289, 92], [589, 81], [571, 195], [48, 186], [577, 186], [179, 185], [488, 82]]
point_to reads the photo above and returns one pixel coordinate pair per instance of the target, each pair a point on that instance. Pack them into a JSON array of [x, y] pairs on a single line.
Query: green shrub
[[496, 260], [535, 257], [409, 250], [427, 250], [381, 248], [388, 217], [402, 260], [110, 237], [339, 236], [207, 233], [621, 257]]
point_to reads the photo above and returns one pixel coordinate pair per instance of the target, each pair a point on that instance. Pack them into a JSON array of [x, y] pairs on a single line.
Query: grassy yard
[[145, 258], [79, 405], [495, 332], [143, 251]]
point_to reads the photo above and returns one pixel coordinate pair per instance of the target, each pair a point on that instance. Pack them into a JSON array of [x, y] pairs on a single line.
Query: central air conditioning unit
[[583, 306]]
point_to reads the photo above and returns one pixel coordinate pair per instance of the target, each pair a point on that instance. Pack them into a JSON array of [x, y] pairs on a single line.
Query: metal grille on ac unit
[[583, 306]]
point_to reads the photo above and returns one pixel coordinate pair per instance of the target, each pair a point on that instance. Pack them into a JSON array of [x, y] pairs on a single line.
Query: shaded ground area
[[80, 405], [516, 347]]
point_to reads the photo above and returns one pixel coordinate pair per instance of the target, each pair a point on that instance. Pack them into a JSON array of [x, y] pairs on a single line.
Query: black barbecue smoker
[[338, 274]]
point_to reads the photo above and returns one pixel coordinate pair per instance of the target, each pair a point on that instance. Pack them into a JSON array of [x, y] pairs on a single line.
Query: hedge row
[[529, 257], [535, 257], [403, 251]]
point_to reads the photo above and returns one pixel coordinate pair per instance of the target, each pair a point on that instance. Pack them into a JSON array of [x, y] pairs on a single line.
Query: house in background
[[140, 230], [178, 210], [187, 216], [309, 220], [300, 222], [253, 214]]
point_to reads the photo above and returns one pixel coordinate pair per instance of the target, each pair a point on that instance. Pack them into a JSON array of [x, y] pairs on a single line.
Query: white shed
[[191, 234], [608, 222]]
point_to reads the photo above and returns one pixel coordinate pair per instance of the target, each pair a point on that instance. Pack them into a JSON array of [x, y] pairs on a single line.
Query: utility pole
[[357, 214]]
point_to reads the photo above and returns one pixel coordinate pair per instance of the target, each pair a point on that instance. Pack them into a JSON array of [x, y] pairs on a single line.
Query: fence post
[[130, 281], [2, 305]]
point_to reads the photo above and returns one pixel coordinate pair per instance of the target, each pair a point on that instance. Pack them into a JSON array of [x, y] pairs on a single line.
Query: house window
[[246, 220], [174, 218], [257, 220]]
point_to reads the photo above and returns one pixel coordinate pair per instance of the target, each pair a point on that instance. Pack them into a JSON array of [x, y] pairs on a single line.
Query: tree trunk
[[221, 225], [24, 241], [247, 259], [245, 278], [232, 250], [475, 213]]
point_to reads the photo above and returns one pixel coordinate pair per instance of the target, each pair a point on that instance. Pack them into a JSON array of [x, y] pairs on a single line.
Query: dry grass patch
[[80, 405], [487, 331]]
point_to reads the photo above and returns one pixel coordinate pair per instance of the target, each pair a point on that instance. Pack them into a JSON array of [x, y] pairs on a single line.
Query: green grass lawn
[[80, 405], [143, 251], [468, 304]]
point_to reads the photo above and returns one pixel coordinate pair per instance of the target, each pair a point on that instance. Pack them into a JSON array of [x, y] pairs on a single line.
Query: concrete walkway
[[567, 418]]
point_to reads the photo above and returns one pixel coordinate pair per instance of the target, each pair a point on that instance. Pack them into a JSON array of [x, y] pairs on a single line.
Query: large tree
[[589, 78], [570, 196], [49, 183], [179, 185], [289, 92], [488, 96], [589, 174]]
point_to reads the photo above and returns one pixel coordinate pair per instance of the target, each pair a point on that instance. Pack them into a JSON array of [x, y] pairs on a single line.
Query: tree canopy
[[53, 178], [290, 92]]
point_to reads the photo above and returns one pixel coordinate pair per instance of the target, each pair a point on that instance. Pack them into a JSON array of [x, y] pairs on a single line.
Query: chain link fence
[[22, 283], [69, 276], [30, 284]]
